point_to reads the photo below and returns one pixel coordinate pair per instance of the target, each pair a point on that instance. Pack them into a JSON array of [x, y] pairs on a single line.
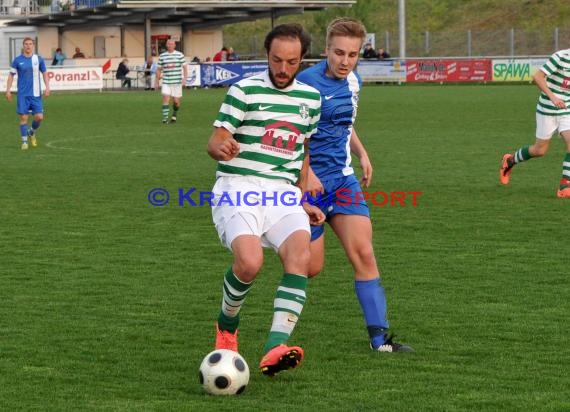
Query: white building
[[112, 29]]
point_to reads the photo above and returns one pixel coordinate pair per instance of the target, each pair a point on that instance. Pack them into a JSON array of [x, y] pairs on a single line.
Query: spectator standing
[[28, 66], [383, 54], [58, 57], [78, 54], [369, 52], [221, 56], [149, 73], [232, 55]]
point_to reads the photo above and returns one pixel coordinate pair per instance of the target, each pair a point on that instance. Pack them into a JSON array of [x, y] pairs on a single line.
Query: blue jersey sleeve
[[42, 64], [14, 66]]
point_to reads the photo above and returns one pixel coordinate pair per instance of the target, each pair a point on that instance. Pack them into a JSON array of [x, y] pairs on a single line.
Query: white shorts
[[174, 90], [251, 205], [547, 125]]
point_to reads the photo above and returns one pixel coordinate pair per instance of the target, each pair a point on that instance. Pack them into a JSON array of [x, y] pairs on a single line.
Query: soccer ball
[[224, 372]]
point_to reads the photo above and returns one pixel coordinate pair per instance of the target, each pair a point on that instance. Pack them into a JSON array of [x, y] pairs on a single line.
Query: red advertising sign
[[75, 78], [439, 70], [65, 78]]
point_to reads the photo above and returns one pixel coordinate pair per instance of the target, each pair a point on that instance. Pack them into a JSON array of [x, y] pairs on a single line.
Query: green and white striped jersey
[[557, 70], [171, 66], [270, 126]]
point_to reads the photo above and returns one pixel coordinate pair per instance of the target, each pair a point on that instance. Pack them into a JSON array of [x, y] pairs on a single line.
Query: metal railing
[[471, 43]]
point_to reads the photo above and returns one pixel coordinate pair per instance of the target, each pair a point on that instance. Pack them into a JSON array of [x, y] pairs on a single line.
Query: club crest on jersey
[[304, 110]]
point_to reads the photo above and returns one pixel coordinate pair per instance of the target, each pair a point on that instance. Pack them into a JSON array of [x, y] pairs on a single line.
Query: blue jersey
[[329, 147], [29, 71]]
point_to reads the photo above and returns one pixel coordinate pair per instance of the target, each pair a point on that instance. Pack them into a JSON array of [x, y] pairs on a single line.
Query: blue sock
[[373, 303], [35, 125], [24, 132]]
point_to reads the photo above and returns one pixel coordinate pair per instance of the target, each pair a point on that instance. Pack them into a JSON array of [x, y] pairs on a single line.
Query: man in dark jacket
[[369, 52], [122, 72]]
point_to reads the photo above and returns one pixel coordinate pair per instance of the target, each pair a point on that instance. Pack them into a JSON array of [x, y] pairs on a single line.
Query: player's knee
[[297, 261], [304, 258], [247, 267], [363, 256]]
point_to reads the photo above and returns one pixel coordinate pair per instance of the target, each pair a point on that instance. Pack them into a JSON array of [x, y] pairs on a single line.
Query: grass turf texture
[[108, 303]]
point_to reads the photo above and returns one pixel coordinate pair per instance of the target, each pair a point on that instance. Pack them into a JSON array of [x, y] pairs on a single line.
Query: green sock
[[234, 293], [165, 111], [521, 155], [287, 307]]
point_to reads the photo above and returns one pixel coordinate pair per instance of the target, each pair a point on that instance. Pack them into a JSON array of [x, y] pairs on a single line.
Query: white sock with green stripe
[[287, 307], [165, 111]]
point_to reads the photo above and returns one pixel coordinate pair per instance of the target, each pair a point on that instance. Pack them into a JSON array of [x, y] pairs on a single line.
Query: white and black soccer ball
[[224, 372]]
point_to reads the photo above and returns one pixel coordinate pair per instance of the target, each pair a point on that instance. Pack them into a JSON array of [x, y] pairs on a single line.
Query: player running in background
[[552, 114], [259, 142], [29, 67], [173, 71], [330, 159]]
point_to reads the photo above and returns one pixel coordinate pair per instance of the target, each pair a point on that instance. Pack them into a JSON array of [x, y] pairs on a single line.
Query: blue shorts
[[27, 104], [341, 197]]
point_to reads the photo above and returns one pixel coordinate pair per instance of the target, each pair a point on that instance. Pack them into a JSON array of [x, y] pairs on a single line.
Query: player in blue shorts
[[29, 67], [333, 176]]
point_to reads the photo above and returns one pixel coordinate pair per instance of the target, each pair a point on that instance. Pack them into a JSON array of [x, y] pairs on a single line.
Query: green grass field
[[108, 303]]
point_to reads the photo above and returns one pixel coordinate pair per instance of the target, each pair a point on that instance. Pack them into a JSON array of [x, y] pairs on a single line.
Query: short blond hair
[[346, 27]]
